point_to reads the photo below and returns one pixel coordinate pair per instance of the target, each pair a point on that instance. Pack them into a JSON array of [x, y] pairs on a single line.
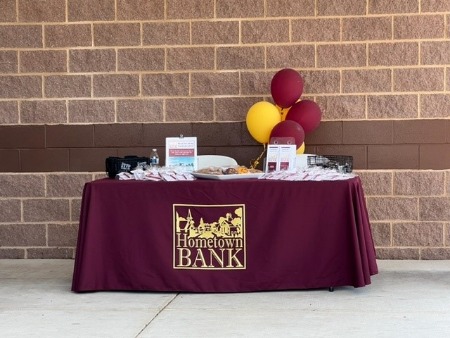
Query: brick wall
[[81, 80]]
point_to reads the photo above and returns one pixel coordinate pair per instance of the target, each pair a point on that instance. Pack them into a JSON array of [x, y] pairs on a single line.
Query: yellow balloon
[[301, 149], [261, 118]]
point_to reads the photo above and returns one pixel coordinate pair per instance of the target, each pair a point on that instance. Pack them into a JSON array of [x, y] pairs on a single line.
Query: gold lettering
[[232, 257], [213, 254], [185, 257], [200, 258]]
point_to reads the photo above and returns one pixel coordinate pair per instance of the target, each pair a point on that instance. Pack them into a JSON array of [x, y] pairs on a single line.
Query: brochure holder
[[281, 152], [181, 152]]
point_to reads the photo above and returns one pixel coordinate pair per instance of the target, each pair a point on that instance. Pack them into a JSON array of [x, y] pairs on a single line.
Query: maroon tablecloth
[[223, 236]]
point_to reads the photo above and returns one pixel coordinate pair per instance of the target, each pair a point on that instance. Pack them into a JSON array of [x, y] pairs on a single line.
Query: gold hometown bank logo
[[209, 237]]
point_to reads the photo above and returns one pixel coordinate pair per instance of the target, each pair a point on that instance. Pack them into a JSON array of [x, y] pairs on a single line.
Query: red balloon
[[289, 129], [306, 113], [286, 87]]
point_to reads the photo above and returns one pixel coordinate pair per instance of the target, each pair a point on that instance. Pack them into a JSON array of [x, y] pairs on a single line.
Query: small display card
[[181, 152], [281, 154]]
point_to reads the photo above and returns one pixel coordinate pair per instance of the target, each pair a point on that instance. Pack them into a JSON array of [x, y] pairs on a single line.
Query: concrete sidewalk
[[406, 299]]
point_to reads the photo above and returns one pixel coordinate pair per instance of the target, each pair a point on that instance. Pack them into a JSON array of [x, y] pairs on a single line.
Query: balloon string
[[254, 163]]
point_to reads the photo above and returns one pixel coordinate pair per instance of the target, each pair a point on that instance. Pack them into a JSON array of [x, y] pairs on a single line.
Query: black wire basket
[[341, 163]]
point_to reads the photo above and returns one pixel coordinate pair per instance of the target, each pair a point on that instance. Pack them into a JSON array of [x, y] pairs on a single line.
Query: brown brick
[[389, 6], [43, 112], [141, 59], [392, 208], [290, 8], [165, 33], [76, 35], [43, 61], [422, 79], [311, 30], [45, 210], [192, 110], [190, 9], [435, 6], [435, 253], [342, 107], [8, 10], [12, 253], [116, 85], [67, 86], [50, 253], [165, 84], [67, 136], [87, 10], [218, 134], [255, 83], [192, 58], [8, 62], [95, 60], [218, 32], [376, 183], [448, 183], [222, 83], [353, 55], [89, 159], [26, 36], [394, 54], [366, 28], [61, 235], [42, 11], [366, 80], [435, 52], [414, 183], [22, 185], [328, 132], [434, 156], [321, 82], [111, 135], [358, 153], [155, 133], [398, 253], [381, 233], [420, 131], [240, 58], [239, 8], [91, 111], [140, 110], [22, 137], [290, 56], [66, 185], [10, 211], [140, 10], [22, 235], [233, 108], [263, 31], [367, 132], [434, 209], [393, 156], [117, 34], [37, 160], [434, 105], [419, 27], [20, 87], [10, 160], [9, 112], [392, 106], [339, 8]]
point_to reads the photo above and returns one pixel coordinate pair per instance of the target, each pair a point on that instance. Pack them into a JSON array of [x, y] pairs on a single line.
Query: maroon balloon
[[306, 113], [289, 129], [286, 87]]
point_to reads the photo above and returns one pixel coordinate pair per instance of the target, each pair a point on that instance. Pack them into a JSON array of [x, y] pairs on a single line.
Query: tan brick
[[342, 107], [419, 27], [26, 36], [140, 10], [94, 60], [277, 8], [403, 156], [434, 209], [22, 235], [392, 106], [233, 108], [87, 10], [23, 185], [447, 234], [68, 35], [222, 83], [43, 112], [448, 182], [42, 11], [43, 61], [193, 110], [366, 80], [291, 56], [394, 54], [417, 234], [10, 210], [263, 31], [165, 33], [116, 85], [321, 81], [435, 253], [389, 6], [8, 62], [46, 210], [190, 9], [62, 235], [140, 110], [342, 7], [348, 55], [376, 183], [434, 105], [117, 34], [59, 86], [165, 84], [435, 6], [245, 58], [50, 253], [414, 183], [256, 83], [398, 253], [192, 58], [435, 52], [8, 10], [218, 32], [311, 30], [392, 208], [9, 112], [381, 233], [12, 253], [20, 87], [75, 206], [91, 111], [239, 8], [141, 59], [366, 28], [66, 185]]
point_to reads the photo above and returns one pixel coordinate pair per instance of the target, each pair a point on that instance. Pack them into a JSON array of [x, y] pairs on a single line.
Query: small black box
[[115, 165]]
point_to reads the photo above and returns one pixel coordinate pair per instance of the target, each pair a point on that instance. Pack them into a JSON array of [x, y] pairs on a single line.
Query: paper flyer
[[280, 156], [181, 152]]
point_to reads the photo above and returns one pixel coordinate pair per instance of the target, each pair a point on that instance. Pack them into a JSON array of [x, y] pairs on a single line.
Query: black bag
[[115, 165]]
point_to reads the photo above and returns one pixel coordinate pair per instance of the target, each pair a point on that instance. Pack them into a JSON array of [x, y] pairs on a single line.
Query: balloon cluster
[[289, 116]]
